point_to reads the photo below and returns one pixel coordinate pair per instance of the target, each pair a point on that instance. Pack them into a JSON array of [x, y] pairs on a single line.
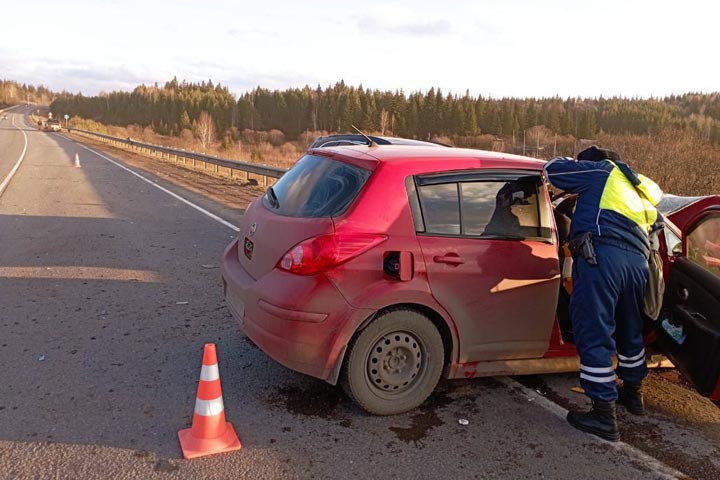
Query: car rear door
[[491, 259], [689, 332]]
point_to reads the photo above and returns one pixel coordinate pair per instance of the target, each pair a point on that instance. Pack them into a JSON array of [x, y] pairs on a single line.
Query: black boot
[[630, 397], [600, 420]]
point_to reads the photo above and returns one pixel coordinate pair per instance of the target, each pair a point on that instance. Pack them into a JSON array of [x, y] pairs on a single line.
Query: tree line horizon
[[175, 106]]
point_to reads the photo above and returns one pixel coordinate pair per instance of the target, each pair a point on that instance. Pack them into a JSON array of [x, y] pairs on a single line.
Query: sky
[[497, 48]]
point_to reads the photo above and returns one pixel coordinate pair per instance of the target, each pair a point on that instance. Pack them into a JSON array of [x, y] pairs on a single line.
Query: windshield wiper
[[273, 198]]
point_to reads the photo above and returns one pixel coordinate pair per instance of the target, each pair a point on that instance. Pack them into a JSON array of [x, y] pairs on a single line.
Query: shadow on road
[[109, 289]]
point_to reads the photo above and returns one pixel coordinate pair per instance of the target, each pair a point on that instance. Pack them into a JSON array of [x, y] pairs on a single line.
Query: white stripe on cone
[[209, 373], [209, 408]]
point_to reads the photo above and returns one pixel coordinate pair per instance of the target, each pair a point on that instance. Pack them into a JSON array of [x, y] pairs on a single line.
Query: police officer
[[609, 239]]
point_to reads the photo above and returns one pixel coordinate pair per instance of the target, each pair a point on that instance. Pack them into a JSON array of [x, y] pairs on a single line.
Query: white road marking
[[160, 187], [10, 175], [660, 469]]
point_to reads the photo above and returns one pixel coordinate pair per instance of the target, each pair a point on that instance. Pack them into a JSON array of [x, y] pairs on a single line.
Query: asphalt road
[[12, 143], [109, 288]]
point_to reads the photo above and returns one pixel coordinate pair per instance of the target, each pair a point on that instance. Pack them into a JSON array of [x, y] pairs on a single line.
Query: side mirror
[[677, 250]]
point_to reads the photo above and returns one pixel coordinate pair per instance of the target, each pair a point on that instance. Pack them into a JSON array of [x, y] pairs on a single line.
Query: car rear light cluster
[[319, 254]]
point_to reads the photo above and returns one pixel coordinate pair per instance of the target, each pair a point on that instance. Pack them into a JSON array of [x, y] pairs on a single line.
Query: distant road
[[12, 142], [109, 288]]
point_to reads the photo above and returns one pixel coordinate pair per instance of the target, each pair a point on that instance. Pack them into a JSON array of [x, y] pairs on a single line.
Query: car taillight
[[319, 254]]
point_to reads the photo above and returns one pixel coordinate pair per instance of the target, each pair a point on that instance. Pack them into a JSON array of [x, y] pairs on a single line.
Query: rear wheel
[[394, 364]]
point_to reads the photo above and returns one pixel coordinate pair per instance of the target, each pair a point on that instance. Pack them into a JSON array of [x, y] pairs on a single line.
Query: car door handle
[[684, 295], [449, 259]]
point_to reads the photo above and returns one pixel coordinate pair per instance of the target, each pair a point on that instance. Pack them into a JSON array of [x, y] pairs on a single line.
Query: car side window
[[673, 243], [490, 208], [506, 209], [703, 244], [441, 208]]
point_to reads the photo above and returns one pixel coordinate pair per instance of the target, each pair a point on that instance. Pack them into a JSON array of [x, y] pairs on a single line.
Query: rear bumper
[[300, 322]]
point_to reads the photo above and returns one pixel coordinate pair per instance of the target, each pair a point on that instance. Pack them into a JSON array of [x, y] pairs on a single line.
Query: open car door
[[689, 333]]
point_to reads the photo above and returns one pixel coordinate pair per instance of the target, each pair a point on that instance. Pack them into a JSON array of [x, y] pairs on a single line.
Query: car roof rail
[[342, 139]]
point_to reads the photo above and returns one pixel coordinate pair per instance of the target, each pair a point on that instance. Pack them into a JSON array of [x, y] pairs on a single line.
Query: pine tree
[[185, 120]]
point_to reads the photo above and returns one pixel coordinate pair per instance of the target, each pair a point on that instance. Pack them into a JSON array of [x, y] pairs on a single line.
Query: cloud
[[99, 74], [374, 26], [248, 32], [71, 75], [434, 29], [240, 79]]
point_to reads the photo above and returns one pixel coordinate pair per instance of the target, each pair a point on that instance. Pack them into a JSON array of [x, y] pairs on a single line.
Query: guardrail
[[263, 171]]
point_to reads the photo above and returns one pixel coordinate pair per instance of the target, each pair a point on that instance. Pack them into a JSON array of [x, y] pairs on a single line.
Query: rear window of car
[[316, 187]]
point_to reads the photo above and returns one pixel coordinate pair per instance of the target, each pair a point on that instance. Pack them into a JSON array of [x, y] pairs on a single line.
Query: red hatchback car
[[385, 267]]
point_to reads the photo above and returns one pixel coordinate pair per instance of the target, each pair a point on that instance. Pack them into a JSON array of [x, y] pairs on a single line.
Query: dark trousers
[[606, 312]]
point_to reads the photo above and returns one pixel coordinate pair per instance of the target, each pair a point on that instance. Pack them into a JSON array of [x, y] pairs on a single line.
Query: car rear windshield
[[316, 187]]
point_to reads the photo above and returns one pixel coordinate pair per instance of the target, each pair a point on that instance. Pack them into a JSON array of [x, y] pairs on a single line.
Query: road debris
[[41, 358], [181, 303], [209, 265], [463, 421], [579, 390]]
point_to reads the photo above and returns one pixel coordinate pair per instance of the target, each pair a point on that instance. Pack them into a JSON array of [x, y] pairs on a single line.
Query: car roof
[[364, 155], [669, 203]]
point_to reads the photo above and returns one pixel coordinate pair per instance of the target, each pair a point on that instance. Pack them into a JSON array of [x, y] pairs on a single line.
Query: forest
[[673, 139], [13, 93], [175, 106]]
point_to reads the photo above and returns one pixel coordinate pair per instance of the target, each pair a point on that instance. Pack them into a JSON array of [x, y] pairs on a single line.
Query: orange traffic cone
[[77, 161], [210, 433]]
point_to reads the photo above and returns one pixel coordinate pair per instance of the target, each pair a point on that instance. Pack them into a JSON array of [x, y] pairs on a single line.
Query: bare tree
[[384, 121], [205, 129]]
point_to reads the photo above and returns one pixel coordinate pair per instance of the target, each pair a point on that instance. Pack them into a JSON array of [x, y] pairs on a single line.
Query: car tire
[[393, 364]]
